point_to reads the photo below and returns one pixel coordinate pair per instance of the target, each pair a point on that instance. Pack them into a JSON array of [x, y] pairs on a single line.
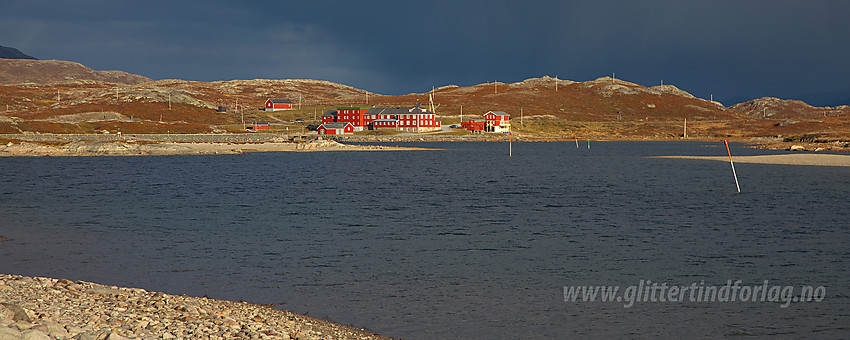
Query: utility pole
[[520, 115], [299, 101], [58, 96], [556, 83], [495, 87], [116, 94], [169, 102], [243, 113]]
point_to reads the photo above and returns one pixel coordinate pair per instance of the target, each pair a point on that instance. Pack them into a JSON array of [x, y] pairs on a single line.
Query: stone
[[85, 336], [56, 330], [115, 336], [106, 291], [34, 335], [797, 148], [9, 334], [17, 313]]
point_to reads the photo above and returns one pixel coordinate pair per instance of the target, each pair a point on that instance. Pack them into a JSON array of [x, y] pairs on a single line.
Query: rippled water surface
[[464, 242]]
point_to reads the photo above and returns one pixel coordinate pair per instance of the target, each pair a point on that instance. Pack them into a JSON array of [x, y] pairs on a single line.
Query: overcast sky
[[725, 48]]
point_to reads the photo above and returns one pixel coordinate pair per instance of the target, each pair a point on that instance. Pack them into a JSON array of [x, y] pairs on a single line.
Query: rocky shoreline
[[123, 148], [48, 308]]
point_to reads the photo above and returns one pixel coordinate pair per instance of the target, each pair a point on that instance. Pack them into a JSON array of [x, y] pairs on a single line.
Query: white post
[[733, 165], [685, 133]]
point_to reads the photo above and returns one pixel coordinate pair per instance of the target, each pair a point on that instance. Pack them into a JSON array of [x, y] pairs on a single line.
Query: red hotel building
[[409, 119]]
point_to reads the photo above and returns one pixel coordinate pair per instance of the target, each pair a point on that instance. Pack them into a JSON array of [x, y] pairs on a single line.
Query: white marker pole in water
[[733, 164], [576, 135], [510, 144]]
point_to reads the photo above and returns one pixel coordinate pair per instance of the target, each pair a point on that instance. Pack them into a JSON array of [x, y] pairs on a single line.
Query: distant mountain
[[819, 99], [770, 107], [12, 53], [14, 71]]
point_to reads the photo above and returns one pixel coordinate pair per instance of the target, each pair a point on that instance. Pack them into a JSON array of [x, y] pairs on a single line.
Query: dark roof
[[280, 101], [413, 110], [329, 113], [500, 113], [335, 125]]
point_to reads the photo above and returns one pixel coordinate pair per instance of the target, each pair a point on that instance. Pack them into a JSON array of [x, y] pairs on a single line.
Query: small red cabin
[[277, 104], [335, 129]]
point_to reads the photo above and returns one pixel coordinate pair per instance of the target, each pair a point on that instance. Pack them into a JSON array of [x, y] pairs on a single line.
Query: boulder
[[14, 313], [9, 334]]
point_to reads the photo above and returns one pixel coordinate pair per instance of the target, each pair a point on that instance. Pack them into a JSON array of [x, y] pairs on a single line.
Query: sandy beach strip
[[786, 159]]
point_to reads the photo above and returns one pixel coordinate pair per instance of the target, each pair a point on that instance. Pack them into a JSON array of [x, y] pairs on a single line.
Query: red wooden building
[[277, 104], [329, 116], [410, 119], [259, 126], [353, 115], [335, 128], [497, 121], [474, 125]]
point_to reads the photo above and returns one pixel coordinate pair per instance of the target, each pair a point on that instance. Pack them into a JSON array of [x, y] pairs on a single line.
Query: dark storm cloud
[[725, 48]]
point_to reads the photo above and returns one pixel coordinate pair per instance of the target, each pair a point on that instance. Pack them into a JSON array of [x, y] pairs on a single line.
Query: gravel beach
[[47, 308]]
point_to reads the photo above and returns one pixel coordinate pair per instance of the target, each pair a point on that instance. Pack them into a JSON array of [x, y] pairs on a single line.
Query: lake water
[[464, 242]]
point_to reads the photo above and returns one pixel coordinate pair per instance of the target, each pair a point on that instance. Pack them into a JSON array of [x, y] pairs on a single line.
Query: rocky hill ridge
[[16, 71]]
